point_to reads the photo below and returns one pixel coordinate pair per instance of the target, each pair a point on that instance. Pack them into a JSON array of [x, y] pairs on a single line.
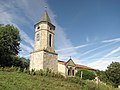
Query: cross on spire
[[45, 7]]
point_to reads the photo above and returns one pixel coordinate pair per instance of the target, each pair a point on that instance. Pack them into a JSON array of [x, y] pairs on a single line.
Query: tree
[[87, 74], [113, 73], [9, 44], [103, 77]]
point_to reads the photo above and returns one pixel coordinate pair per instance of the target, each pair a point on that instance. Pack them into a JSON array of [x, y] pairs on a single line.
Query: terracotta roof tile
[[83, 66], [61, 62], [76, 65]]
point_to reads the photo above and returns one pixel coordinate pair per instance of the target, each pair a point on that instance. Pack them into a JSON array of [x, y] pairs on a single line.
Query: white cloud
[[95, 50], [112, 52], [5, 18], [23, 53], [26, 38], [76, 47], [26, 48], [111, 40], [102, 64]]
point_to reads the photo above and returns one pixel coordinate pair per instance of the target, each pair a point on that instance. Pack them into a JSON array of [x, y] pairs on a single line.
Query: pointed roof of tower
[[45, 17]]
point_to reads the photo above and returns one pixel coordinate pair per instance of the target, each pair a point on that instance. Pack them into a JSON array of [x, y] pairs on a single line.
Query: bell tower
[[44, 34], [44, 56]]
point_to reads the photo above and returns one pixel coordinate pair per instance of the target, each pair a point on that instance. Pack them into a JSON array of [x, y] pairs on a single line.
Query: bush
[[87, 74], [14, 69], [46, 72], [21, 62], [76, 80], [18, 63], [8, 69], [89, 85]]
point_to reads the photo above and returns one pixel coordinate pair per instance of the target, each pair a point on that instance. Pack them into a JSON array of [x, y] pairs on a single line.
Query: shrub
[[46, 72], [14, 69], [76, 80], [8, 69], [87, 74]]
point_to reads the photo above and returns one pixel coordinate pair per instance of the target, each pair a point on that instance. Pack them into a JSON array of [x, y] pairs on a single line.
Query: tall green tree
[[113, 73], [9, 44], [103, 77]]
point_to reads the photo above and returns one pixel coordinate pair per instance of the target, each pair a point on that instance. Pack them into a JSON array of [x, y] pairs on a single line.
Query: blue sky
[[86, 30]]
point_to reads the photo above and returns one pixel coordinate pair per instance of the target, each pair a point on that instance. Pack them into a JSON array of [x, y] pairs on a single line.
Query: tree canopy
[[9, 44], [113, 73]]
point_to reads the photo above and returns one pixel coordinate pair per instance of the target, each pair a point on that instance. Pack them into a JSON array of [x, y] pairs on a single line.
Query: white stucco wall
[[61, 69]]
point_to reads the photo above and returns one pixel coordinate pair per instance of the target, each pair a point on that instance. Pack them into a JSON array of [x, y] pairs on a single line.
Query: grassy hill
[[24, 81]]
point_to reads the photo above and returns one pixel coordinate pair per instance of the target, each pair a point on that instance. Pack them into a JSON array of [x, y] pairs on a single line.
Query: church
[[44, 55]]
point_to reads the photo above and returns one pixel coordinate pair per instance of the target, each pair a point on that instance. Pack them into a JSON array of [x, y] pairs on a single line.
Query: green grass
[[93, 86], [23, 81]]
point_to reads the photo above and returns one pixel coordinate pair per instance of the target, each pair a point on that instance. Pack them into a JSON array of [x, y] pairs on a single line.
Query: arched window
[[73, 72], [37, 37], [50, 40], [68, 72]]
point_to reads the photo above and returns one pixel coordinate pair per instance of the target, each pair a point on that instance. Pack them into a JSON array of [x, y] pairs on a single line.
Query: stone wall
[[43, 60], [36, 60], [50, 61]]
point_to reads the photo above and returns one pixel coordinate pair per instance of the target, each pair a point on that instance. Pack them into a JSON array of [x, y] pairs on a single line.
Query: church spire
[[45, 17]]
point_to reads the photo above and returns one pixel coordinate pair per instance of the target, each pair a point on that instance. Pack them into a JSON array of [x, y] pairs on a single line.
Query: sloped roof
[[83, 66], [61, 62], [76, 65], [70, 62], [45, 17]]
